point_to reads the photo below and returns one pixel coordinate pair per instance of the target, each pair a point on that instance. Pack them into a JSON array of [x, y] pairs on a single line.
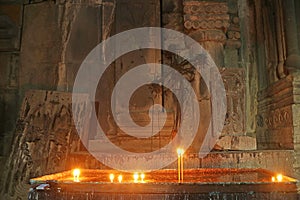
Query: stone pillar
[[207, 22], [290, 21]]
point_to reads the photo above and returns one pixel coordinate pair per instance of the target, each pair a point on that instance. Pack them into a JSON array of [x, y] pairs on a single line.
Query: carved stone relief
[[45, 136], [275, 119], [234, 82], [275, 129]]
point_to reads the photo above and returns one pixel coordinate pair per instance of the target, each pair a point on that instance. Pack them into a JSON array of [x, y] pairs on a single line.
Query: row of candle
[[136, 177]]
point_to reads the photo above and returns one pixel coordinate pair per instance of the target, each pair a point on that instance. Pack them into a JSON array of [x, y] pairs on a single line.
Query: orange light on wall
[[76, 174]]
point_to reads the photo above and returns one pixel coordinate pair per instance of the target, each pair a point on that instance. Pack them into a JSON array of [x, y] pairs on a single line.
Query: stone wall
[[10, 36], [45, 138], [278, 58], [44, 43]]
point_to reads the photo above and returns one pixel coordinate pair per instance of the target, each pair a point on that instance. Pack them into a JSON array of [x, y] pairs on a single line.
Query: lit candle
[[76, 173], [142, 177], [135, 177], [279, 177], [180, 164], [273, 179], [120, 178], [111, 177]]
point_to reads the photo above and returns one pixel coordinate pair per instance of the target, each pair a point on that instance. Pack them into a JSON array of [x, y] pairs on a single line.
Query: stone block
[[237, 143], [231, 57], [296, 114]]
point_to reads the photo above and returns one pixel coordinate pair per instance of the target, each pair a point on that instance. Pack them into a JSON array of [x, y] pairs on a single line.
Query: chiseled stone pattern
[[275, 116], [234, 83], [216, 25], [205, 15], [45, 136]]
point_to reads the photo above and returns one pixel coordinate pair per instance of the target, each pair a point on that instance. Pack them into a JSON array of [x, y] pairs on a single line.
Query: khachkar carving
[[45, 137], [234, 82]]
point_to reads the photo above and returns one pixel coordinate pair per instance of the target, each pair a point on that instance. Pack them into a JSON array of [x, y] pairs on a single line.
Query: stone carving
[[45, 137], [275, 118], [234, 82], [278, 118], [207, 23], [275, 129], [205, 15]]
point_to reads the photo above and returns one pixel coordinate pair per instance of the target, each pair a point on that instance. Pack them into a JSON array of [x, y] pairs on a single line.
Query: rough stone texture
[[45, 137], [274, 119], [236, 143], [207, 22], [11, 23], [278, 76], [247, 52], [10, 35], [41, 32], [234, 82]]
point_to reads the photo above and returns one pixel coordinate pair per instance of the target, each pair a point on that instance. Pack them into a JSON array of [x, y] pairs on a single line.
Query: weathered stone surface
[[237, 143], [205, 15], [44, 137], [234, 82], [41, 32], [274, 119], [11, 23]]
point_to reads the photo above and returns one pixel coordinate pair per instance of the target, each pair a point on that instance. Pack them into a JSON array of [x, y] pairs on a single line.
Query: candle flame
[[135, 177], [111, 177], [180, 151], [76, 174], [120, 178], [273, 179], [142, 177], [279, 177]]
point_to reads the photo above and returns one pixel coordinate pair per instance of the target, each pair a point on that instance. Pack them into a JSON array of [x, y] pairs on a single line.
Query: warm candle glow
[[142, 177], [180, 151], [279, 177], [76, 173], [111, 177], [135, 177], [120, 178], [273, 179]]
